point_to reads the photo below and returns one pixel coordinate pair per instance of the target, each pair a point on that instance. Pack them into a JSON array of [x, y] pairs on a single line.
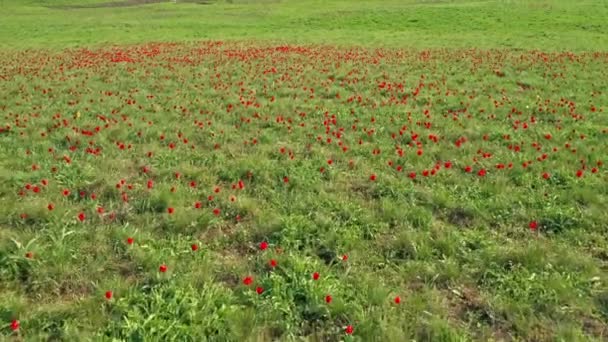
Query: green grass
[[90, 106], [545, 25]]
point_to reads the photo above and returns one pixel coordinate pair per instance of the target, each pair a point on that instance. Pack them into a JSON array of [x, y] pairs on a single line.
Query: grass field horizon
[[303, 170], [557, 25]]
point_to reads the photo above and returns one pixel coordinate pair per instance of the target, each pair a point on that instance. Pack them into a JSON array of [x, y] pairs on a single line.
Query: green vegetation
[[524, 24], [157, 186]]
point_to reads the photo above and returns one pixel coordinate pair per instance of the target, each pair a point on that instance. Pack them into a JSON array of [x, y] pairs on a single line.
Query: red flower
[[15, 325], [194, 247], [328, 299], [285, 179], [259, 290], [468, 169], [81, 217], [216, 212], [108, 295], [344, 257], [579, 173], [481, 173], [248, 280], [170, 210], [263, 245], [163, 268], [412, 175], [66, 192], [198, 205], [349, 330], [372, 177], [29, 255], [273, 263], [315, 276], [130, 241], [533, 225], [51, 206], [546, 175], [447, 164], [397, 300]]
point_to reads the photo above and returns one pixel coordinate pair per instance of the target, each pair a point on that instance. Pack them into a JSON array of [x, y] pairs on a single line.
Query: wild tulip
[[533, 225], [15, 325], [349, 330]]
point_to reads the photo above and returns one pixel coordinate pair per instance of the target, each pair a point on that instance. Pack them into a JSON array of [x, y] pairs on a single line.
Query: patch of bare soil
[[128, 3]]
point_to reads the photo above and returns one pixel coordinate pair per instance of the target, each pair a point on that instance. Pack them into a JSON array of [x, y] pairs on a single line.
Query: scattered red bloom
[[263, 245], [533, 225], [248, 280], [163, 268], [349, 330], [259, 290], [109, 295], [315, 276]]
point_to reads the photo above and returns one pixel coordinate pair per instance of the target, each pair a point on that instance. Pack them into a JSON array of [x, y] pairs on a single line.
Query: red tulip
[[349, 330], [533, 225], [15, 325]]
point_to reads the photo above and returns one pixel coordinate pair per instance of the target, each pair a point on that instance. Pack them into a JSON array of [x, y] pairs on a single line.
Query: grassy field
[[523, 24], [304, 171]]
